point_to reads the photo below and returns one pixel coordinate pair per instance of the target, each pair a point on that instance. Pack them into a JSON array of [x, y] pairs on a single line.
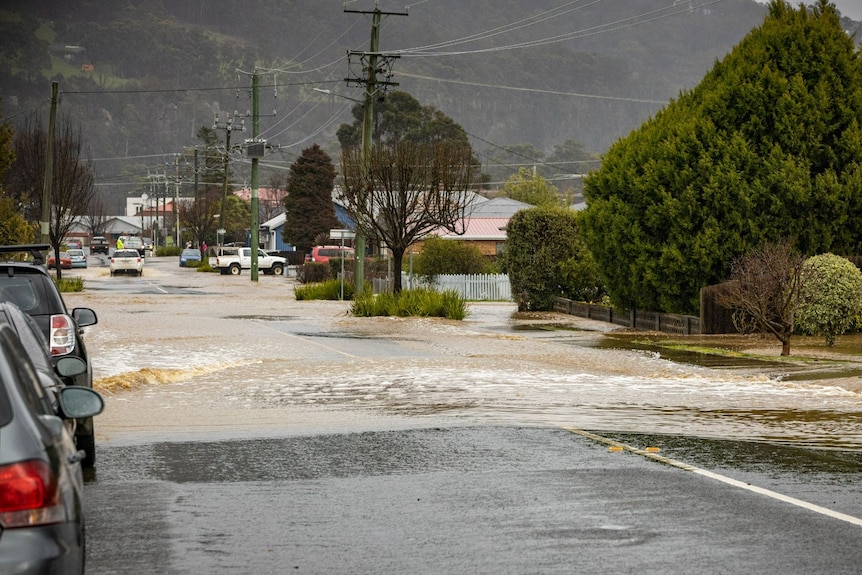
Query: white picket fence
[[475, 287]]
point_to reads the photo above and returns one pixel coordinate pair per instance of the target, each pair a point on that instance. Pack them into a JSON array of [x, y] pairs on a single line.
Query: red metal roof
[[479, 229]]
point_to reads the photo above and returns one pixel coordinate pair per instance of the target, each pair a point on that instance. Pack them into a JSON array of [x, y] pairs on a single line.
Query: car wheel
[[87, 443], [277, 270], [235, 269]]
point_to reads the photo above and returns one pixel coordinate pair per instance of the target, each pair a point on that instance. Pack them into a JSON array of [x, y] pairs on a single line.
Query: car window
[[29, 334], [23, 374], [20, 291], [126, 254]]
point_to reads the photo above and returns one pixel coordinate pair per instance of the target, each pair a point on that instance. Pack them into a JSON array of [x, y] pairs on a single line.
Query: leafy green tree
[[238, 215], [441, 256], [14, 229], [768, 146], [529, 187], [401, 118], [502, 163], [546, 258], [831, 301], [308, 205]]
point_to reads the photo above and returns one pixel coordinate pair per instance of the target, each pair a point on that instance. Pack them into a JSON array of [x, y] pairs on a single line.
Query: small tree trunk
[[397, 260], [785, 346]]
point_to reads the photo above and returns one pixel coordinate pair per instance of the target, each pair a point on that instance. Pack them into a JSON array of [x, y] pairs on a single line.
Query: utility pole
[[255, 149], [48, 183], [228, 127], [256, 152], [175, 207], [371, 65]]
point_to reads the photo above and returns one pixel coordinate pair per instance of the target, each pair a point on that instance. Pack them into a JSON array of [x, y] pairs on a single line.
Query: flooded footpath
[[178, 351]]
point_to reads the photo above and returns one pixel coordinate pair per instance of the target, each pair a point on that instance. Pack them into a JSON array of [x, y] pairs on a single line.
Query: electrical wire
[[506, 28], [624, 23], [534, 90]]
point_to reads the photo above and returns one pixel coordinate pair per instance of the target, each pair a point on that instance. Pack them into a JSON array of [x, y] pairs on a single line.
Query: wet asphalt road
[[459, 500], [437, 495]]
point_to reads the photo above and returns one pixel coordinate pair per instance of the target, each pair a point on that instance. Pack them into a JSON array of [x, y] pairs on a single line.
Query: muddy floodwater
[[178, 351]]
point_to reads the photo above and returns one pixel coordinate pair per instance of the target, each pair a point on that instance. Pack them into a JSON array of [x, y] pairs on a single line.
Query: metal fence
[[476, 287], [635, 318]]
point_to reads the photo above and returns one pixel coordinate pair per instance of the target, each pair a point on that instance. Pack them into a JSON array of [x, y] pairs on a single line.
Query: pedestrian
[[203, 250], [119, 243]]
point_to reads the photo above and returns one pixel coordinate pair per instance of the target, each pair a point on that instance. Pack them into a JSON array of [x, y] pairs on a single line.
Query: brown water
[[231, 355]]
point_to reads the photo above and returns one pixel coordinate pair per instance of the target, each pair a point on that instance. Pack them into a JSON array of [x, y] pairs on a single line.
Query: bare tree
[[200, 216], [274, 204], [96, 217], [73, 186], [764, 290], [405, 191]]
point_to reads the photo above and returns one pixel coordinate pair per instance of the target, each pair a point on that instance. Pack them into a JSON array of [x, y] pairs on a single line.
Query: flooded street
[[246, 432], [176, 346]]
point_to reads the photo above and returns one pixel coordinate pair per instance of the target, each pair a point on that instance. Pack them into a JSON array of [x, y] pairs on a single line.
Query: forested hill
[[143, 76]]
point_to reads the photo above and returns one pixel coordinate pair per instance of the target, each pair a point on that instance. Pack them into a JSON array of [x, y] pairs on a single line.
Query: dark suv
[[29, 285], [99, 245]]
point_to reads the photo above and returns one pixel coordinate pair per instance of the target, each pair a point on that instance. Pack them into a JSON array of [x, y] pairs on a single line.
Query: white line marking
[[718, 477]]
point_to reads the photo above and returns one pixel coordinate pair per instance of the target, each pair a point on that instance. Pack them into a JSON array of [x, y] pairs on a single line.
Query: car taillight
[[62, 336], [29, 495]]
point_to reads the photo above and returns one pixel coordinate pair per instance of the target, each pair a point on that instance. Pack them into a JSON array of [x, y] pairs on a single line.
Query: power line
[[534, 90], [624, 23]]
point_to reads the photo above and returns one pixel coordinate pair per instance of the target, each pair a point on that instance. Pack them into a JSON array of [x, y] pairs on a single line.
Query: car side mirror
[[70, 366], [84, 316], [77, 402]]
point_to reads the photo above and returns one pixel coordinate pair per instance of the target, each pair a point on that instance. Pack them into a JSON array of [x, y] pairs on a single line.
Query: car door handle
[[79, 455]]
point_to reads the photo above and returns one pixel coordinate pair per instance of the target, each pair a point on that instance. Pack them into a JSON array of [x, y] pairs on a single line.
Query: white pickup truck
[[232, 260]]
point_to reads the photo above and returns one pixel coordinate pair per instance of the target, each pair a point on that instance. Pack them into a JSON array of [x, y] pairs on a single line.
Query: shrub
[[831, 300], [75, 284], [169, 251], [546, 258], [421, 302], [313, 273], [329, 290], [441, 256]]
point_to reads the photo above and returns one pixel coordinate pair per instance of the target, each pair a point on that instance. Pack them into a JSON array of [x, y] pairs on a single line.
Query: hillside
[[539, 74]]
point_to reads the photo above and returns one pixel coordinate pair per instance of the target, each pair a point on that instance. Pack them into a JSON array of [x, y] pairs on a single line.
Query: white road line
[[309, 341], [718, 477]]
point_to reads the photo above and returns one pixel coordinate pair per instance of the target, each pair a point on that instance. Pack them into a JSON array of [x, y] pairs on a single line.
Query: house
[[484, 224], [270, 234]]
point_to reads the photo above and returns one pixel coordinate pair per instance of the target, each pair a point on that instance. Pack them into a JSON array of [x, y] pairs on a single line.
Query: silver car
[[127, 261], [41, 482]]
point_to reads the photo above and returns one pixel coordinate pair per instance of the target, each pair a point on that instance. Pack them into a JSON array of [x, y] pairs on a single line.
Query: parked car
[[99, 245], [189, 255], [65, 261], [74, 243], [78, 258], [41, 482], [29, 285], [126, 261], [322, 254]]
